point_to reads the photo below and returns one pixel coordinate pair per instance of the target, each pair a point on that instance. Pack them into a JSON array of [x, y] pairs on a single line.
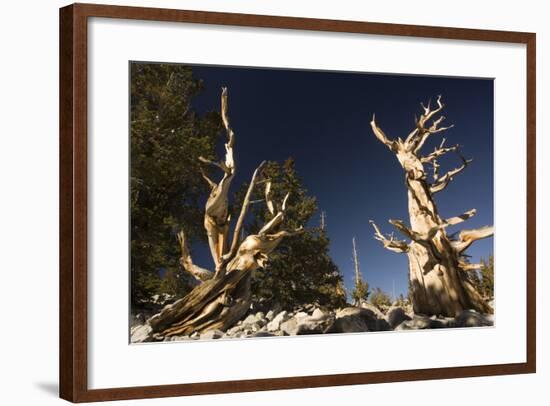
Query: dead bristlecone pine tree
[[222, 296], [438, 268]]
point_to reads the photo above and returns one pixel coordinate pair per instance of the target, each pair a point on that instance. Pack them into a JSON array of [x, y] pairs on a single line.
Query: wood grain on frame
[[73, 201]]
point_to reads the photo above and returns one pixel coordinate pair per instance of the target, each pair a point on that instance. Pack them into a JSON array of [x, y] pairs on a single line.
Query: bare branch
[[390, 244], [229, 162], [415, 236], [186, 262], [416, 139], [467, 237], [240, 220], [216, 221], [444, 181], [220, 165], [465, 266], [459, 219], [268, 200], [207, 179], [437, 152], [285, 233], [381, 135], [435, 166]]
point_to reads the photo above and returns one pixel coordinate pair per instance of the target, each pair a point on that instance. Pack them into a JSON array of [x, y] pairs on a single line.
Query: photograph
[[260, 201]]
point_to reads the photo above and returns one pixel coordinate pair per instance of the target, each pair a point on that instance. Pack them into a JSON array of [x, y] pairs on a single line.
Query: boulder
[[290, 327], [251, 319], [416, 323], [275, 324], [317, 323], [471, 318], [318, 314], [355, 320], [372, 308], [270, 315], [396, 316], [141, 334], [212, 335]]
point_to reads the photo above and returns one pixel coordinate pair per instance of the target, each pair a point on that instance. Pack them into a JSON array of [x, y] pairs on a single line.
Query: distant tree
[[301, 270], [487, 277], [380, 299], [166, 139], [401, 300], [360, 291]]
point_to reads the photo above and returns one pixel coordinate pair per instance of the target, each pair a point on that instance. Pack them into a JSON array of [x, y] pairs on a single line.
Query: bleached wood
[[223, 297], [439, 285]]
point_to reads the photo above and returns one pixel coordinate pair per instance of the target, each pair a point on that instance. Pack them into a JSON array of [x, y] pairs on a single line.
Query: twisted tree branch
[[186, 262], [390, 244], [468, 237]]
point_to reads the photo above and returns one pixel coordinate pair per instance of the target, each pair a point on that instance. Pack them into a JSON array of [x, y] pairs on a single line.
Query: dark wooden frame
[[73, 201]]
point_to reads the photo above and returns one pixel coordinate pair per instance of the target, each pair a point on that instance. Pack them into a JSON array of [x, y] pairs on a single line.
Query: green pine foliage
[[360, 292], [167, 137], [484, 279], [380, 299], [300, 271], [401, 300]]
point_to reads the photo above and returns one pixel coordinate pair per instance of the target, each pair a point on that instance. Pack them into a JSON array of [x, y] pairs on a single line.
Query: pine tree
[[300, 271], [361, 291], [487, 277], [380, 299], [167, 137]]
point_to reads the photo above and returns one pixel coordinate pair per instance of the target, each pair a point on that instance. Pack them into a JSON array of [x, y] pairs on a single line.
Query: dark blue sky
[[321, 119]]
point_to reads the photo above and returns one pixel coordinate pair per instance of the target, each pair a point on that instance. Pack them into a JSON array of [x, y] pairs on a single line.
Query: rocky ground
[[314, 320]]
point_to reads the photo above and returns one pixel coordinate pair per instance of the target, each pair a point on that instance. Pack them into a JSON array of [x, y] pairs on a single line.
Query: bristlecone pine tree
[[223, 296], [437, 265]]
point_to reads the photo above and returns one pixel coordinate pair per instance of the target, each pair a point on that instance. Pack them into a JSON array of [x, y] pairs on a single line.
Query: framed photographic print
[[256, 202]]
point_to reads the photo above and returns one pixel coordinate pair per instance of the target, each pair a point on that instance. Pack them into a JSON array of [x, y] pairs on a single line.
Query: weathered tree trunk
[[438, 271], [223, 296]]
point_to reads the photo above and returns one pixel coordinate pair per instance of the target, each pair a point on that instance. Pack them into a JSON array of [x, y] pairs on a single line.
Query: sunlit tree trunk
[[223, 296], [438, 270]]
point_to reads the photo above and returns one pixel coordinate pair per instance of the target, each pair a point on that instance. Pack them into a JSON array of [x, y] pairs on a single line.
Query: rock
[[275, 324], [195, 336], [395, 316], [234, 330], [372, 308], [318, 314], [270, 315], [447, 322], [250, 319], [290, 327], [419, 322], [140, 318], [260, 316], [141, 334], [416, 323], [301, 316], [355, 320], [212, 335], [180, 338], [263, 334], [470, 318], [317, 323]]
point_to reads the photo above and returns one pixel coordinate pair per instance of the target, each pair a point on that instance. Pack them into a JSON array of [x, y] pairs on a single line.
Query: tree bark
[[223, 296], [438, 271]]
